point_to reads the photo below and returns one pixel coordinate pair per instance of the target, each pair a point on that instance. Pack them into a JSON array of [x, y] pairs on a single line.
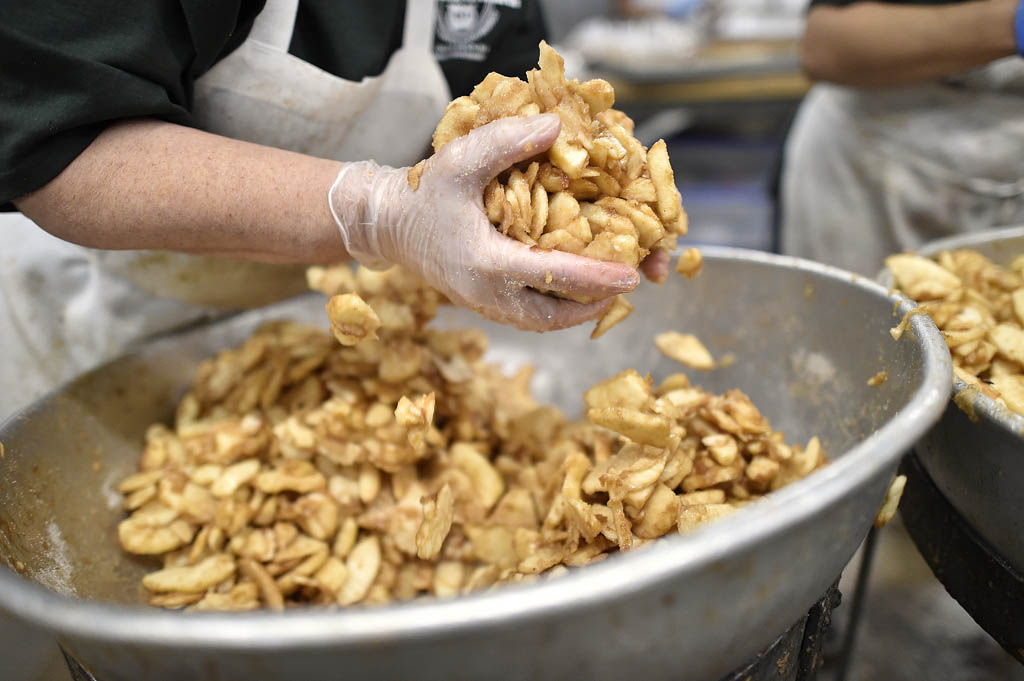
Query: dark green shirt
[[68, 68]]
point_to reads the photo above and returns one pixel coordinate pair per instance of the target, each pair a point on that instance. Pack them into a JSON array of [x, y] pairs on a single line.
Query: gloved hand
[[441, 232]]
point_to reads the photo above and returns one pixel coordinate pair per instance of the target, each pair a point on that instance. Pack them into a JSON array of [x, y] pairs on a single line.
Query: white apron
[[869, 173], [65, 309]]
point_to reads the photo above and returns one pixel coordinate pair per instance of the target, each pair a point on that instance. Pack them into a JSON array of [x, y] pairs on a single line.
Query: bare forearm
[[155, 185], [875, 44]]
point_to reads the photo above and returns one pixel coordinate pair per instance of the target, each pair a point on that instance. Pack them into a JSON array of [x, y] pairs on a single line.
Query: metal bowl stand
[[796, 655], [973, 573]]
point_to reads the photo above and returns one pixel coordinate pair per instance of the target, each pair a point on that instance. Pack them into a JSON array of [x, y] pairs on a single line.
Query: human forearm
[[155, 185], [875, 44], [150, 185]]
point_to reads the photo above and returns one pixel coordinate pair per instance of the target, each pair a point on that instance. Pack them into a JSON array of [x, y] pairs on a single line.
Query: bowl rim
[[611, 580], [985, 408]]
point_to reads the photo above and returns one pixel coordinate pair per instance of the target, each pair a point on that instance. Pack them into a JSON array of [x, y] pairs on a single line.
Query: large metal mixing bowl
[[806, 339], [979, 467]]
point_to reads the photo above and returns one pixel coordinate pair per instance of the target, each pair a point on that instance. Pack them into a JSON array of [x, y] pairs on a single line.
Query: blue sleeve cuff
[[1018, 27]]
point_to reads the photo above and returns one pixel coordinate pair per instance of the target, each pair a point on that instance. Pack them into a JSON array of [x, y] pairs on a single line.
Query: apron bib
[[869, 173], [261, 93], [67, 308]]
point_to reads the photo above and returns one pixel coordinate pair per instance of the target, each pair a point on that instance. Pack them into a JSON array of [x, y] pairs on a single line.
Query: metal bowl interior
[[1001, 246], [806, 338], [978, 462]]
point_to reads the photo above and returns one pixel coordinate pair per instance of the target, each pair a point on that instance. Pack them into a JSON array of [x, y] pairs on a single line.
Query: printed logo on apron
[[462, 26]]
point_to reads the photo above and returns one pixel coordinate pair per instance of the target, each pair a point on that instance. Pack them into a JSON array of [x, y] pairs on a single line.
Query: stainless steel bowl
[[979, 467], [806, 339]]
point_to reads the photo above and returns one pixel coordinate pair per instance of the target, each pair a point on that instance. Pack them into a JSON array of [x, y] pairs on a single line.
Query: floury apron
[[64, 308], [874, 172]]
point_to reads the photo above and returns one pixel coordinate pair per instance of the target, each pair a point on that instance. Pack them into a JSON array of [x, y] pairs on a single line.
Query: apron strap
[[275, 24], [418, 33]]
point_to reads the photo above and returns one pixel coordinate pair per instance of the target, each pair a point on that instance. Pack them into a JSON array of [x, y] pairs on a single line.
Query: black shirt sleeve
[[69, 68]]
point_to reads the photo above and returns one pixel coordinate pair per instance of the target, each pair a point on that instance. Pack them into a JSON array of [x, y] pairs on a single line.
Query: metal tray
[[806, 338], [979, 467]]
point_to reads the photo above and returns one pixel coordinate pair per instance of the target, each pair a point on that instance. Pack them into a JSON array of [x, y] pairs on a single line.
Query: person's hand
[[655, 266], [441, 232]]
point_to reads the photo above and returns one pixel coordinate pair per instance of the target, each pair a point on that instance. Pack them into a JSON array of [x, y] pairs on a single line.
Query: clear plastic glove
[[441, 232]]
